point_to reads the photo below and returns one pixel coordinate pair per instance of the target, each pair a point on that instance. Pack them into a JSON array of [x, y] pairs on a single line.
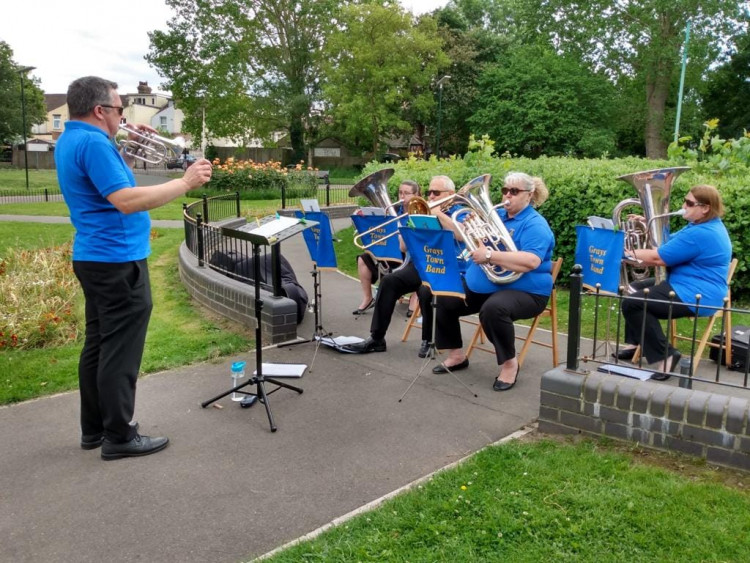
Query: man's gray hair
[[448, 184], [84, 94]]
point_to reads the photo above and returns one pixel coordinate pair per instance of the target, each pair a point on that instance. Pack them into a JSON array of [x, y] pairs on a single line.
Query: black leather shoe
[[367, 346], [625, 353], [502, 385], [424, 348], [458, 367], [93, 441], [672, 362], [367, 307], [138, 446]]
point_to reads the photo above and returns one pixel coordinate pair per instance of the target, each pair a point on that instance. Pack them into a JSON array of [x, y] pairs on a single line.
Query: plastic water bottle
[[238, 372]]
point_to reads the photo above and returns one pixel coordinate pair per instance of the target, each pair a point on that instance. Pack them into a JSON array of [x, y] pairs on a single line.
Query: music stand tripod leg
[[432, 354]]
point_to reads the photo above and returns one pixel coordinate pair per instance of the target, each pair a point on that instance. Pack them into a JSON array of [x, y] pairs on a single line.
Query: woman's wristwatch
[[487, 255]]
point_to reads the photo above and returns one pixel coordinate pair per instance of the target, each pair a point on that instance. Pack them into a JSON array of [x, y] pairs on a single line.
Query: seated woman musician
[[369, 269], [500, 304], [697, 259]]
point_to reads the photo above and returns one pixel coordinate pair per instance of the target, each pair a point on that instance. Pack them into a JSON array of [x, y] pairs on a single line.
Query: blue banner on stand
[[600, 253], [434, 255], [319, 239], [380, 249]]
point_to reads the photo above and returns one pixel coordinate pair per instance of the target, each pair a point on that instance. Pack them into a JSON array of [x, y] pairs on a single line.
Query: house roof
[[54, 101]]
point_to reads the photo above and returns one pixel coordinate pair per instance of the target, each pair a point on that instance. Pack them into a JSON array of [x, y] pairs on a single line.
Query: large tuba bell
[[374, 188], [484, 226], [653, 187]]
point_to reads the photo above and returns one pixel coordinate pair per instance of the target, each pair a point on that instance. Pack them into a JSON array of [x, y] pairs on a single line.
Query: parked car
[[182, 161]]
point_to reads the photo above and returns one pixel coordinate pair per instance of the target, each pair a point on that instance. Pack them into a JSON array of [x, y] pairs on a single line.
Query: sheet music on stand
[[600, 223], [270, 230]]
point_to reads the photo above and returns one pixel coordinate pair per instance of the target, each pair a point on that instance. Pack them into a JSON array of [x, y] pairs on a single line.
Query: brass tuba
[[484, 226], [374, 188], [653, 187]]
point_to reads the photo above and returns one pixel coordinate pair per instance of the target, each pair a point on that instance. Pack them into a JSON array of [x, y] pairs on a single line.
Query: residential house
[[57, 115]]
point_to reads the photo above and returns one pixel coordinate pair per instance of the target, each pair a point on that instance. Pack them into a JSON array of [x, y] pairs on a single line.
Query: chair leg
[[411, 323], [553, 319], [702, 343], [478, 335], [528, 340]]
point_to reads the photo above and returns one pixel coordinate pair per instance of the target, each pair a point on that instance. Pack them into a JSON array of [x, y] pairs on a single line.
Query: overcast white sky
[[66, 39]]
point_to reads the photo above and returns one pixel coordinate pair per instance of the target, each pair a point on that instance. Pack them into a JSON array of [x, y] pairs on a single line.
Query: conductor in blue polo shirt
[[499, 305], [112, 224]]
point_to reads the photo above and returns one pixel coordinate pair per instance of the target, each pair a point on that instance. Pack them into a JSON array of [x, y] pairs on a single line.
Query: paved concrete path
[[227, 488]]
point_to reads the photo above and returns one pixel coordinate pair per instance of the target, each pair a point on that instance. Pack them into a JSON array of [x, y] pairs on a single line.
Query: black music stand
[[262, 237]]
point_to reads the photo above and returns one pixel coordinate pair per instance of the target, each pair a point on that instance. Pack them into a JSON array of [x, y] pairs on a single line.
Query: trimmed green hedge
[[580, 188]]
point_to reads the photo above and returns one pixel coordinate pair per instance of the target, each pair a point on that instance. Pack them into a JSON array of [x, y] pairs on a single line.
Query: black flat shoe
[[93, 441], [502, 385], [442, 368], [366, 346], [625, 353], [138, 446], [674, 361], [409, 313], [367, 307], [424, 348]]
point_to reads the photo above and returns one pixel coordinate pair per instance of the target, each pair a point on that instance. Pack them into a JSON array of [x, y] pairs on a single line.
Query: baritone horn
[[484, 226], [653, 187], [149, 147]]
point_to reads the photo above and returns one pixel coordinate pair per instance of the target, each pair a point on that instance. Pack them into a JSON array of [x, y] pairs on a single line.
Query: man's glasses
[[512, 191], [119, 109], [691, 203], [435, 192]]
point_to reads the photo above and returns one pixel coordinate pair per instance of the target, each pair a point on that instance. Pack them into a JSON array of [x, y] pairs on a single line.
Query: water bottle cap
[[238, 366]]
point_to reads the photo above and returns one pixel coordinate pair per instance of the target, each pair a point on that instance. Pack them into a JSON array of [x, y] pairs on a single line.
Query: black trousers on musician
[[655, 345], [118, 309], [497, 313], [392, 287]]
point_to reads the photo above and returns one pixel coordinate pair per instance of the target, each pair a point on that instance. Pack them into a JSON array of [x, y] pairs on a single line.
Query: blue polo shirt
[[530, 233], [698, 259], [89, 168]]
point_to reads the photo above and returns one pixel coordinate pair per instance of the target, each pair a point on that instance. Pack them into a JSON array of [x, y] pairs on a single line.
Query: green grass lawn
[[179, 334], [539, 501]]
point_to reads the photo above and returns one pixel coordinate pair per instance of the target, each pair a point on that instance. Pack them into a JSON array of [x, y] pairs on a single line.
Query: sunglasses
[[435, 192], [512, 191], [119, 109], [691, 203]]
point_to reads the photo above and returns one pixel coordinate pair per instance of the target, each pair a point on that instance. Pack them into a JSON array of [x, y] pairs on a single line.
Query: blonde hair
[[710, 196], [533, 184]]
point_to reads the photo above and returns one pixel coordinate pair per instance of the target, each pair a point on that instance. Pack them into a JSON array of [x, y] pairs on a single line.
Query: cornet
[[149, 147]]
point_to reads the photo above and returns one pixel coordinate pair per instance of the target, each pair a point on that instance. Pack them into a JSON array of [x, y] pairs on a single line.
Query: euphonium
[[149, 147], [484, 226], [653, 187]]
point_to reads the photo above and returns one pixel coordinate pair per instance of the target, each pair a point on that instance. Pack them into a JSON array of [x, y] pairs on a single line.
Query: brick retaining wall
[[708, 425], [236, 300]]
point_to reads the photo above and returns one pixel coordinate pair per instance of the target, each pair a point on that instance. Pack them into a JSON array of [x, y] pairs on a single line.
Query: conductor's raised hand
[[198, 173]]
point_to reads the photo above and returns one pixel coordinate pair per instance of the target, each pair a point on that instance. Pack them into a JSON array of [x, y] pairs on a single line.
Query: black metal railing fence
[[32, 195], [688, 374]]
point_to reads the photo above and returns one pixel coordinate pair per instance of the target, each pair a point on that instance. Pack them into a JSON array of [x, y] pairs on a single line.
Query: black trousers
[[497, 313], [118, 308], [654, 346], [391, 288]]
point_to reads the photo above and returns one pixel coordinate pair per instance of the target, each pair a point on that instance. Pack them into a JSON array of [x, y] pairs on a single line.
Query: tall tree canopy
[[11, 111], [727, 93], [640, 38], [378, 73], [253, 64], [536, 102]]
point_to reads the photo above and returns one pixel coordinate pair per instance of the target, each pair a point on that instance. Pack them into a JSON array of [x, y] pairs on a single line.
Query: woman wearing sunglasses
[[499, 305], [697, 260]]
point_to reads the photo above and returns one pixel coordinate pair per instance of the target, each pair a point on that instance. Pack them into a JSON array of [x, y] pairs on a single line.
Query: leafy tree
[[537, 102], [727, 94], [252, 65], [380, 66], [640, 38], [11, 114]]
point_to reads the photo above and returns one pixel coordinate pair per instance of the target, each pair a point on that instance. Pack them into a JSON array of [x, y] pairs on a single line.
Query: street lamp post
[[440, 83], [22, 71]]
